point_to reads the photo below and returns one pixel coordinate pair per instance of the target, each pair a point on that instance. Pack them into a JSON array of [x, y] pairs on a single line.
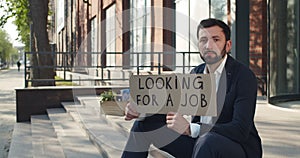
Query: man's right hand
[[130, 112]]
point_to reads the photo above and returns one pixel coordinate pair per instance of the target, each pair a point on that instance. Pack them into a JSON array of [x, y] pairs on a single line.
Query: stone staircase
[[78, 129]]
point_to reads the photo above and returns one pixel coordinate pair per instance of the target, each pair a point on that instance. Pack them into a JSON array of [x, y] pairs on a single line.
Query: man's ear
[[228, 45]]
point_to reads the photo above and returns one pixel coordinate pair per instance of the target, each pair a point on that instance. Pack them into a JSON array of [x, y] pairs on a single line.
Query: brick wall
[[258, 41]]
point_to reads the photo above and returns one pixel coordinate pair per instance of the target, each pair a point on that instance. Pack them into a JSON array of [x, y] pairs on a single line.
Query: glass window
[[284, 47], [188, 15], [111, 35], [140, 35], [187, 20], [94, 45], [219, 9]]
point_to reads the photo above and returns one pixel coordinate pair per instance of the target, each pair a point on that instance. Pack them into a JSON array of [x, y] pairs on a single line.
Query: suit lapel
[[229, 67], [224, 85], [221, 93]]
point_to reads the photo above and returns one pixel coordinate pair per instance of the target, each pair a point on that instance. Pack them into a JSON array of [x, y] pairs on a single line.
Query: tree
[[33, 13], [6, 49], [40, 43], [20, 11]]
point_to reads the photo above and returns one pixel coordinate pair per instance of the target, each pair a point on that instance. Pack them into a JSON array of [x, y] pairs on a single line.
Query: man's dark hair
[[214, 22]]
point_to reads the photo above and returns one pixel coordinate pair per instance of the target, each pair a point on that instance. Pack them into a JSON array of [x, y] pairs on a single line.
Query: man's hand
[[178, 123], [130, 112]]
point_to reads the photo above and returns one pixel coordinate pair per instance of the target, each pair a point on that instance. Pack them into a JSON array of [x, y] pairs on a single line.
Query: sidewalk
[[9, 80], [278, 127]]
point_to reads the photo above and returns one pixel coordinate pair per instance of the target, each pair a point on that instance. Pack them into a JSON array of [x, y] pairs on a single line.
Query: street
[[278, 127]]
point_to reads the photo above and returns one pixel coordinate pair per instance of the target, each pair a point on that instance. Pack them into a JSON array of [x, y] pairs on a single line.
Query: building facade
[[161, 34], [283, 51]]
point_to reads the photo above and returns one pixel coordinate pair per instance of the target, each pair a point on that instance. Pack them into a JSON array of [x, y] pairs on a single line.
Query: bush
[[107, 96]]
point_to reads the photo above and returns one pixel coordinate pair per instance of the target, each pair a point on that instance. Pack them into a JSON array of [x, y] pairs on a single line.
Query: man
[[231, 134], [19, 65]]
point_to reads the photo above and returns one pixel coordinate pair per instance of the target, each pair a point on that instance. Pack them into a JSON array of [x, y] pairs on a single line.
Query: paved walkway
[[9, 80], [278, 127]]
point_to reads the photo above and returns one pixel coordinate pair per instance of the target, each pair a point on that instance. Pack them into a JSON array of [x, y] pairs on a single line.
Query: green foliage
[[19, 9], [31, 20], [63, 83], [7, 52], [107, 96]]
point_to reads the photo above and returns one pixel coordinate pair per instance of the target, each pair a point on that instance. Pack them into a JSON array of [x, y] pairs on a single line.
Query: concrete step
[[109, 132], [114, 117], [21, 141], [107, 108], [75, 142], [107, 139], [44, 140], [92, 101], [124, 128]]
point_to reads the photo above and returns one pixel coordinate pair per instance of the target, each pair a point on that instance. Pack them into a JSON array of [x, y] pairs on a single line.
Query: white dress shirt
[[194, 127]]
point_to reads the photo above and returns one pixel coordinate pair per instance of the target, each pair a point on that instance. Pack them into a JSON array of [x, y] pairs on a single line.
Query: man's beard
[[212, 60]]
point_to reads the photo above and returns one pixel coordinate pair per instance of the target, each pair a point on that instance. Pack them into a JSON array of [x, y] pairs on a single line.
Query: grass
[[60, 83], [63, 83]]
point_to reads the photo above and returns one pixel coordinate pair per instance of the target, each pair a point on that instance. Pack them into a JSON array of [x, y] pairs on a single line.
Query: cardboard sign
[[190, 94]]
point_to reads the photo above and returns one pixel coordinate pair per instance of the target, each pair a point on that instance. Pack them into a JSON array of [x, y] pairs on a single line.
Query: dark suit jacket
[[235, 121]]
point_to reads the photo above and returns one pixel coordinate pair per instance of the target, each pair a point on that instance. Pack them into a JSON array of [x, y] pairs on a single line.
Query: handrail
[[61, 63], [66, 62]]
